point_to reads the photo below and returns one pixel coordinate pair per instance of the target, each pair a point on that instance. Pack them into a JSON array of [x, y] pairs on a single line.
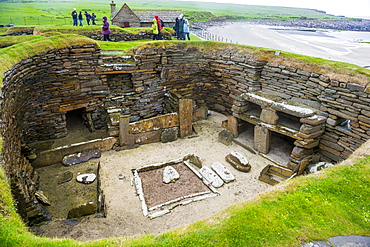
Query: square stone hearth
[[159, 198]]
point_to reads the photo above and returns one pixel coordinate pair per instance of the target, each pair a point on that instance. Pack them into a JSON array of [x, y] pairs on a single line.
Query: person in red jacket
[[160, 26]]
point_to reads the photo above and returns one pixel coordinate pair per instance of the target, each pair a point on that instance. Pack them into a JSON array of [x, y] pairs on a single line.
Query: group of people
[[157, 27], [79, 17], [181, 25], [181, 28], [91, 18]]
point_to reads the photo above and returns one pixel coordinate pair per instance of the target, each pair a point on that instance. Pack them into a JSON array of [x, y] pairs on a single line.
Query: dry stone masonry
[[328, 119]]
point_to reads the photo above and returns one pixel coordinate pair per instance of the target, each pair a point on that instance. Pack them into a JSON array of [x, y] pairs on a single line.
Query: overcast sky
[[349, 8]]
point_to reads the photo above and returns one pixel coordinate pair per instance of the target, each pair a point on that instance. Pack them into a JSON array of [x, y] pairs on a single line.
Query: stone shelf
[[284, 128]]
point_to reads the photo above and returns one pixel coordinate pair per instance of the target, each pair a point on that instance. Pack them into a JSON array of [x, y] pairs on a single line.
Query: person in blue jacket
[[186, 29], [80, 18]]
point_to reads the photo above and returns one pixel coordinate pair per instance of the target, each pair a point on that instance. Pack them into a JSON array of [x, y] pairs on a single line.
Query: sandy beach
[[343, 46]]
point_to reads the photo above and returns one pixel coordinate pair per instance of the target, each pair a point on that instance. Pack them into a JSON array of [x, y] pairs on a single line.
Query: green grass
[[12, 40], [56, 29], [13, 54], [309, 208], [3, 30], [59, 12]]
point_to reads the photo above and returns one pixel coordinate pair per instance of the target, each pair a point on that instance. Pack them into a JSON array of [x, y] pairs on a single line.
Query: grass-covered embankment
[[316, 207], [13, 54]]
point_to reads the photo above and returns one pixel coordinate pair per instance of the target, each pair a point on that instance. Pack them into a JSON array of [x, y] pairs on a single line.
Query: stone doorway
[[75, 120]]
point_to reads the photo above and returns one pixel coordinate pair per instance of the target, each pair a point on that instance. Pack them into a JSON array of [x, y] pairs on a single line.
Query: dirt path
[[124, 214]]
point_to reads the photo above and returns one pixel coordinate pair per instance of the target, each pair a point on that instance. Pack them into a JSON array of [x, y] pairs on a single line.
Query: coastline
[[329, 43]]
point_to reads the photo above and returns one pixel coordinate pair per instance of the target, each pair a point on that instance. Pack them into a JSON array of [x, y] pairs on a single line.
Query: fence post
[[24, 18]]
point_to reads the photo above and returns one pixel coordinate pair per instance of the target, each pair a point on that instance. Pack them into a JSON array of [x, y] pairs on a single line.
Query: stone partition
[[38, 93]]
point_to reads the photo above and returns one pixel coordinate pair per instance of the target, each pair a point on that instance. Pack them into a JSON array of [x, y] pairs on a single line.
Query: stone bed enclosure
[[161, 88]]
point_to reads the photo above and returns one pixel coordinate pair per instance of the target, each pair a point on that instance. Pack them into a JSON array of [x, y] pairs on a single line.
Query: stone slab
[[82, 210], [56, 155], [225, 137], [169, 135], [211, 177], [78, 158], [170, 175], [269, 116], [186, 117], [351, 240], [260, 98], [262, 137], [223, 172], [124, 136], [155, 123], [294, 109]]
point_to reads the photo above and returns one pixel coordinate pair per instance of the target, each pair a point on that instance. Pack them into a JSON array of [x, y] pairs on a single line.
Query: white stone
[[86, 178], [242, 160], [211, 177], [158, 214], [223, 172], [318, 166], [170, 174]]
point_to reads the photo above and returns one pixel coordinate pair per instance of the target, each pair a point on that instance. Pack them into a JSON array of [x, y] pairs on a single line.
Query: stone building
[[126, 17], [135, 98]]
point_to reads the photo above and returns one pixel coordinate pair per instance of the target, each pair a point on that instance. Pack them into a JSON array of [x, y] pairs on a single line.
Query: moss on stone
[[15, 53]]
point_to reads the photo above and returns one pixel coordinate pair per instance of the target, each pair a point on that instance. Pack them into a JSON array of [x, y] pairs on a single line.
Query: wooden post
[[186, 117], [124, 137]]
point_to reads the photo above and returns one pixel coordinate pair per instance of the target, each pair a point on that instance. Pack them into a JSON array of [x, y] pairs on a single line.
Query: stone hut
[[133, 99], [126, 17]]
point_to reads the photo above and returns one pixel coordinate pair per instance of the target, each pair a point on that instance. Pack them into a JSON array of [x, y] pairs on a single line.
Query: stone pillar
[[269, 116], [262, 137], [186, 117], [232, 125], [124, 137]]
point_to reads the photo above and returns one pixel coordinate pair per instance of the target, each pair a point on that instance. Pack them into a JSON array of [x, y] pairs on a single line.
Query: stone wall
[[337, 100], [126, 36], [40, 90], [37, 94]]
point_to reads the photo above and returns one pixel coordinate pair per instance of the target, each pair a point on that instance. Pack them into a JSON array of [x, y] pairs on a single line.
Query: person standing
[[181, 28], [159, 25], [80, 18], [176, 27], [88, 17], [74, 17], [155, 29], [105, 29], [93, 18], [186, 29]]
